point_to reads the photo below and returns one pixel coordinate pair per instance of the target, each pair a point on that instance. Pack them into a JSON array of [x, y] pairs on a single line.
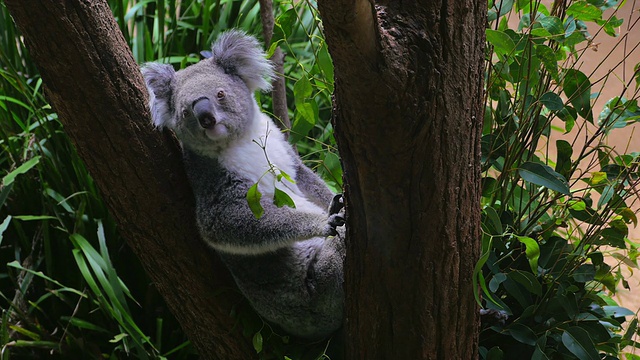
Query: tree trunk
[[408, 120], [95, 86]]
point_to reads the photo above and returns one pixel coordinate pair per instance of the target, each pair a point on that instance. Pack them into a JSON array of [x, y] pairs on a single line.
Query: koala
[[289, 262]]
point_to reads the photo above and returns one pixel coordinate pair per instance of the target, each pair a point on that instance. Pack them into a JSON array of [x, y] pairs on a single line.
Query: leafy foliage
[[552, 215]]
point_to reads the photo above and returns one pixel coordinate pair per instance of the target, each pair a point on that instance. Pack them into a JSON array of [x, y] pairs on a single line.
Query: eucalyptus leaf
[[584, 273], [578, 342], [523, 334], [532, 251], [502, 43], [544, 175], [563, 158], [584, 11], [577, 87], [281, 198], [552, 101], [253, 199]]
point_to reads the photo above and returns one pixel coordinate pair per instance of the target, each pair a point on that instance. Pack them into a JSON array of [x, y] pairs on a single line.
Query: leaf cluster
[[555, 211]]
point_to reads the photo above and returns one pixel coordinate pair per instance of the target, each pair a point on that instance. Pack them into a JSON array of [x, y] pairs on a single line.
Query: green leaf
[[40, 274], [538, 353], [544, 175], [22, 331], [286, 21], [281, 198], [253, 199], [496, 280], [553, 25], [499, 8], [607, 194], [302, 90], [584, 11], [610, 25], [257, 342], [4, 193], [578, 342], [282, 174], [552, 101], [584, 273], [617, 311], [4, 226], [478, 278], [502, 43], [598, 177], [495, 354], [118, 338], [326, 65], [532, 251], [526, 279], [83, 324], [631, 329], [33, 217], [613, 237], [563, 158], [10, 177], [577, 87], [306, 109], [491, 222], [523, 334], [305, 119]]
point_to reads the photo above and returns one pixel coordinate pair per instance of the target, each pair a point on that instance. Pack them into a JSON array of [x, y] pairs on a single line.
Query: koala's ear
[[241, 54], [160, 81]]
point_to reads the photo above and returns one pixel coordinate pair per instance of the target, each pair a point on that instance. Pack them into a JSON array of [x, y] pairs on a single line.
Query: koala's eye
[[185, 113], [221, 95]]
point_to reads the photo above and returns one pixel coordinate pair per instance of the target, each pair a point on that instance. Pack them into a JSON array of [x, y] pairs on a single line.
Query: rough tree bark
[[95, 86], [407, 118]]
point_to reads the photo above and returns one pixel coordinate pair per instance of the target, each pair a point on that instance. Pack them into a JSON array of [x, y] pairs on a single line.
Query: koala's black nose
[[202, 109]]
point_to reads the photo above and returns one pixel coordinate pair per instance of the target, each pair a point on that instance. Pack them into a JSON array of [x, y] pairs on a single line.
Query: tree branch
[[96, 87], [279, 92]]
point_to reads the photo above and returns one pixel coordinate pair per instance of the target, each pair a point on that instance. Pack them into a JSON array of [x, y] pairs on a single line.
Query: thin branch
[[279, 92]]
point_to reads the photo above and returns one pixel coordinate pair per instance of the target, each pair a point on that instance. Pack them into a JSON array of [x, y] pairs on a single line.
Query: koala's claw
[[337, 204], [335, 221]]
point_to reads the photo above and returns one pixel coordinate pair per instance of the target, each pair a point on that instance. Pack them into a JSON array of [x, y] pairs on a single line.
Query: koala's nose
[[202, 109]]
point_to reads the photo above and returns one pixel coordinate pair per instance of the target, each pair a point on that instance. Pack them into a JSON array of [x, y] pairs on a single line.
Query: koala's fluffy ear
[[160, 79], [241, 54]]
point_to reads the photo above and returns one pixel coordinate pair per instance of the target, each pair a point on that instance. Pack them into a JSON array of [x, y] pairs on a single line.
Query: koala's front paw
[[335, 220], [492, 317], [337, 204]]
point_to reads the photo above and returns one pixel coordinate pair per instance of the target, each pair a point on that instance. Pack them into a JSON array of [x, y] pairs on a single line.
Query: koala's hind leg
[[298, 288]]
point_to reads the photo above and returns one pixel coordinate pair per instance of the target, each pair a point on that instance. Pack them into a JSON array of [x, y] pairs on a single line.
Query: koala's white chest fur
[[258, 154]]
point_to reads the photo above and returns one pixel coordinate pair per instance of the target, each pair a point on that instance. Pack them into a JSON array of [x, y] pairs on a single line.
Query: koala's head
[[210, 103]]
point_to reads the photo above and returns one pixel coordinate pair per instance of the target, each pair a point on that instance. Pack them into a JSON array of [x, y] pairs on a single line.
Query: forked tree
[[407, 118]]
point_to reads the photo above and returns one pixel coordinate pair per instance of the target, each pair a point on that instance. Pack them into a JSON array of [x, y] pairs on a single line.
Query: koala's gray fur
[[288, 263]]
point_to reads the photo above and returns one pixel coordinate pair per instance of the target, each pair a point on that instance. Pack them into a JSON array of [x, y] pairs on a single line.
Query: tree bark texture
[[96, 87], [408, 120]]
